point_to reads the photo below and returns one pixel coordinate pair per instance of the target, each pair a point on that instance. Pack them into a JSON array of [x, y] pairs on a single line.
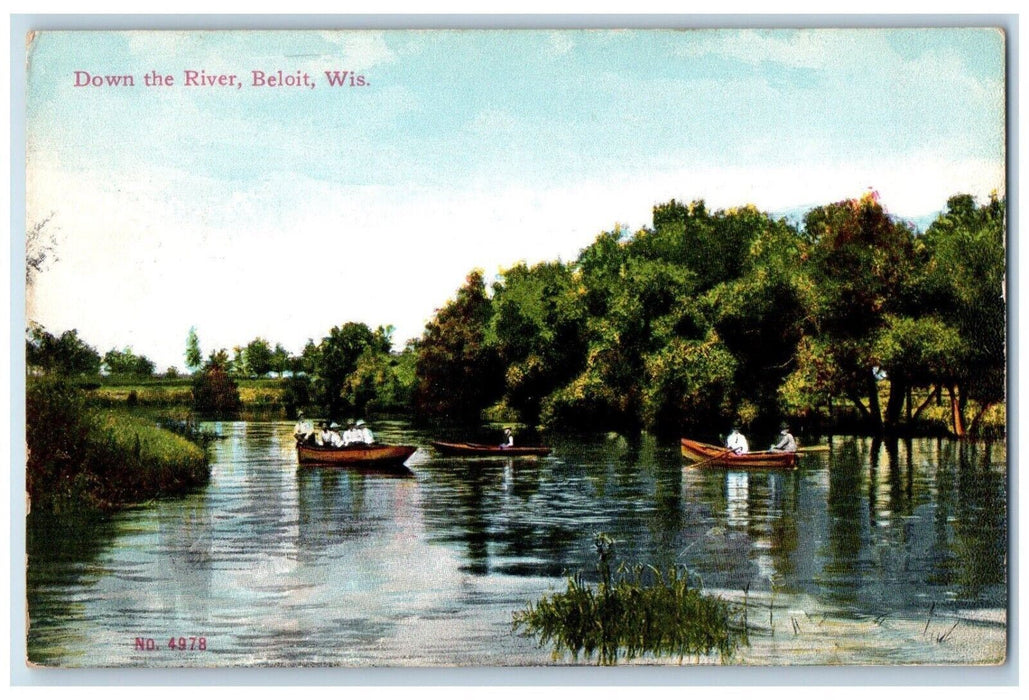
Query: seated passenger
[[335, 440], [350, 435], [304, 430], [786, 441], [365, 433], [508, 439], [736, 442]]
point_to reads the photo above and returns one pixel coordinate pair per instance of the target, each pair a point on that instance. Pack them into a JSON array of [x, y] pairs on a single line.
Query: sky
[[281, 212]]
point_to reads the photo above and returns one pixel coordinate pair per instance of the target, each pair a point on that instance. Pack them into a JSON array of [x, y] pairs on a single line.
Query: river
[[867, 554]]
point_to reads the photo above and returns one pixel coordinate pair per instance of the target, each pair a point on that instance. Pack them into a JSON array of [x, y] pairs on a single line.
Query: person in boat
[[508, 439], [786, 443], [335, 439], [364, 433], [323, 437], [736, 442], [304, 430], [350, 434]]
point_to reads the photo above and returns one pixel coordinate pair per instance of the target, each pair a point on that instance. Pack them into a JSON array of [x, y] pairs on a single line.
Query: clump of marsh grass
[[633, 611]]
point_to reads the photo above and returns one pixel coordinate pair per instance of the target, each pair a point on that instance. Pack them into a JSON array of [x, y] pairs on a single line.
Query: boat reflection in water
[[277, 564]]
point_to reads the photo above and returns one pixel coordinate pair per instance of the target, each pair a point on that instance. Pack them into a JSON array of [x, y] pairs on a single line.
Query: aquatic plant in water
[[637, 610]]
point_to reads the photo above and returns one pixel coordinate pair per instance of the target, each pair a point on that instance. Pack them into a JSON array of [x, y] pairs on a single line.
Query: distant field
[[257, 395]]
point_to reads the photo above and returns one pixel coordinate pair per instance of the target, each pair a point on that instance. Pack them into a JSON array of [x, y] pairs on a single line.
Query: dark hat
[[784, 426]]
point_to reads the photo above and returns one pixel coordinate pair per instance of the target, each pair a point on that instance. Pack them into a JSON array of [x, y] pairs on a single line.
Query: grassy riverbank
[[83, 457]]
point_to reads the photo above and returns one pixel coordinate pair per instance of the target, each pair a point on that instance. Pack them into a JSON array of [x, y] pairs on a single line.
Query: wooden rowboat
[[702, 453], [355, 455], [471, 449]]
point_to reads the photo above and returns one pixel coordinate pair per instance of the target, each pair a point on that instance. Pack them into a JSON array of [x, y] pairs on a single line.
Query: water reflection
[[329, 565]]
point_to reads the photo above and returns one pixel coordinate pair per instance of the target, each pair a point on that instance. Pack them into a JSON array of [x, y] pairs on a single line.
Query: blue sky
[[283, 212]]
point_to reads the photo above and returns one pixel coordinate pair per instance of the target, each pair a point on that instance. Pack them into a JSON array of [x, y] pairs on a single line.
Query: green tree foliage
[[258, 357], [538, 329], [66, 354], [194, 358], [458, 373], [713, 290], [382, 381], [337, 359], [861, 265], [964, 278], [126, 362], [280, 360]]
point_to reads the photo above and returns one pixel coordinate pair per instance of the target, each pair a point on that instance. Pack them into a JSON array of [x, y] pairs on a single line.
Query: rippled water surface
[[275, 565]]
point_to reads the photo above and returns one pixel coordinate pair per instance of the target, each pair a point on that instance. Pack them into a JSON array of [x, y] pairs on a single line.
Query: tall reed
[[635, 611]]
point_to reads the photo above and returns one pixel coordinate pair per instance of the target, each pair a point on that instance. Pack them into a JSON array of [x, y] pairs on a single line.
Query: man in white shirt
[[334, 437], [736, 442], [303, 429]]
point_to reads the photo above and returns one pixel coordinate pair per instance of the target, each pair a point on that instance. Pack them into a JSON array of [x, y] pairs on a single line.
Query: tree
[[280, 360], [964, 275], [336, 360], [238, 364], [538, 328], [458, 373], [861, 266], [259, 357], [194, 358], [66, 354], [126, 362]]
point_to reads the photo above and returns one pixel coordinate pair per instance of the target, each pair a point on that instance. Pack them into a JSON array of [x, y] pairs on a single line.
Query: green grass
[[638, 611], [85, 458]]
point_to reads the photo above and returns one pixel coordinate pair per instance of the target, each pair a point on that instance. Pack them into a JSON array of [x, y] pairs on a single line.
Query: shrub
[[215, 392]]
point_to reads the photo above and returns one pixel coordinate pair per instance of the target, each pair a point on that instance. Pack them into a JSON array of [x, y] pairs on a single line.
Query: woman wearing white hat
[[365, 433]]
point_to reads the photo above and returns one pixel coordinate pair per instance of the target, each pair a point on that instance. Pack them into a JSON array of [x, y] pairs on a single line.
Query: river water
[[863, 555]]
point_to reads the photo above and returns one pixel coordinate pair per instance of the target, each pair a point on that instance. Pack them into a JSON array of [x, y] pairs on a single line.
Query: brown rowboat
[[702, 453], [472, 449], [355, 455]]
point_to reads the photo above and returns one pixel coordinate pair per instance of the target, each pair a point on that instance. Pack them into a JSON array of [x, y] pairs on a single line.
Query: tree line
[[703, 318], [709, 317]]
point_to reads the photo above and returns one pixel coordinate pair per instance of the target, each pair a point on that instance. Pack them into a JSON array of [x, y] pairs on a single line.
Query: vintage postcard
[[478, 348]]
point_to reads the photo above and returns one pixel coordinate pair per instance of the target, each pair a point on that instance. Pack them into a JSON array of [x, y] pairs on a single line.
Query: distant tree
[[238, 364], [194, 358], [220, 359], [458, 372], [171, 373], [280, 359], [258, 357], [307, 360], [337, 358], [66, 354], [126, 362]]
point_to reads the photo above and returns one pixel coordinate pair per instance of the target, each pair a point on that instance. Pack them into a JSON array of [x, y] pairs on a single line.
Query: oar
[[712, 459], [815, 448]]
